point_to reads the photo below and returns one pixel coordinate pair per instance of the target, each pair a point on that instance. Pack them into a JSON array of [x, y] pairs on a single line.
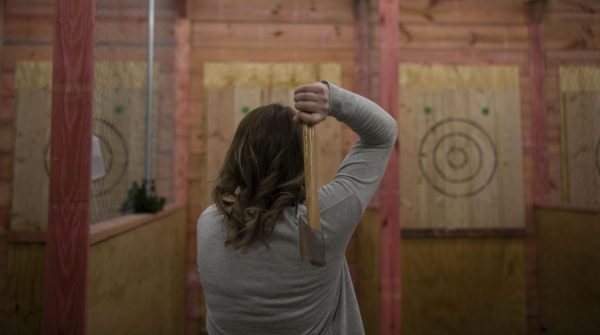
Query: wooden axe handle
[[310, 178]]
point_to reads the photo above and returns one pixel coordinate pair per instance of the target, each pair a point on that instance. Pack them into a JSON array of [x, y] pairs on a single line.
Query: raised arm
[[344, 199]]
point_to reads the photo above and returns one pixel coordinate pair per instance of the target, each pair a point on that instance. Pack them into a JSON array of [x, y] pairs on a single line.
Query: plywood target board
[[119, 123], [232, 90], [460, 147], [580, 95]]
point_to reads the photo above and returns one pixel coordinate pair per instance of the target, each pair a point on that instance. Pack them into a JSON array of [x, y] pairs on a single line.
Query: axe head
[[312, 244]]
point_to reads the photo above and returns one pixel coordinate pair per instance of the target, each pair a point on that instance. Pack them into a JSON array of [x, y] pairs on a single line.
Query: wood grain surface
[[460, 146], [66, 281], [569, 271], [390, 267], [463, 286]]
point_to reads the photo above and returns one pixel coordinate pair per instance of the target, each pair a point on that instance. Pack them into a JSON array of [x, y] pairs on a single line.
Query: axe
[[312, 241]]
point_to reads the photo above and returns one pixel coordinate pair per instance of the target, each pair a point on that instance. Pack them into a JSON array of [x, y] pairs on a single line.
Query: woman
[[248, 255]]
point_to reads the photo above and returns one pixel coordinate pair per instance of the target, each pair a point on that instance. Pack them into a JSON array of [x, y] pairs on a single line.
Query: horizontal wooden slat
[[273, 35], [573, 5], [23, 53], [109, 30], [130, 9], [429, 36], [568, 57], [463, 12], [574, 36], [322, 11], [463, 233], [464, 57], [200, 55]]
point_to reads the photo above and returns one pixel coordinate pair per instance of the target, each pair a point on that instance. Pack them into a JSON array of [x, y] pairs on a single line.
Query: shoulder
[[210, 214]]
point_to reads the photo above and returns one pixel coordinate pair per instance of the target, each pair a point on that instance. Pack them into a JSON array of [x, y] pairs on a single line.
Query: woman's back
[[267, 291]]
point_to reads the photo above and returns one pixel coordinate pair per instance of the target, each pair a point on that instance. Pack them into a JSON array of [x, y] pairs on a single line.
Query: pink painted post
[[66, 281], [182, 68], [389, 190], [540, 167], [538, 113]]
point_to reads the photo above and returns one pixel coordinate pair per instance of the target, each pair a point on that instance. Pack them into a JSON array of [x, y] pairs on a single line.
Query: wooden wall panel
[[580, 91], [460, 140], [450, 12], [582, 136], [271, 35], [119, 122], [24, 288], [457, 286], [569, 273], [219, 125], [32, 126], [570, 39], [137, 280], [323, 11], [367, 259], [459, 36]]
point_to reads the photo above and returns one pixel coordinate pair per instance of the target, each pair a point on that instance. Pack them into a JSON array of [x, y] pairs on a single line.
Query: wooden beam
[[540, 159], [389, 190], [463, 233], [183, 9], [362, 59], [66, 280]]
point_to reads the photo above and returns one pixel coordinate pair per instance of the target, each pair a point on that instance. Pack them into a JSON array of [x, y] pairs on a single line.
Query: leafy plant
[[142, 198]]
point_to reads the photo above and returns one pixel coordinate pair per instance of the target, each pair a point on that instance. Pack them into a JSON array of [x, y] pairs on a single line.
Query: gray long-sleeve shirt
[[272, 291]]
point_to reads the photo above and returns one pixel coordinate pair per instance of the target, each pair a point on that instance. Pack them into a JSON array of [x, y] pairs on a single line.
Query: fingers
[[309, 118], [308, 96], [310, 107], [318, 87], [312, 102]]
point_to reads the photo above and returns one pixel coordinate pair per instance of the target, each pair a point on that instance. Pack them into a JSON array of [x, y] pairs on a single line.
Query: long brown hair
[[263, 173]]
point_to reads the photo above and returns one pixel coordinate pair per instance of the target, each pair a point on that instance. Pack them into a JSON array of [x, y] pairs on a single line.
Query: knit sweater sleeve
[[345, 198]]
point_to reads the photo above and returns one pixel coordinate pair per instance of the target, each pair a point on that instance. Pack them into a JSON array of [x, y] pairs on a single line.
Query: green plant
[[142, 198]]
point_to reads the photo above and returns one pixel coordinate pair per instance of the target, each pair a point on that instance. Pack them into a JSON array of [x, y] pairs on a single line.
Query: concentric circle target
[[457, 157], [114, 155]]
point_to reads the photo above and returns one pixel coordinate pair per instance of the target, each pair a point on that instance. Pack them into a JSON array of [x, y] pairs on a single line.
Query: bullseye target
[[114, 155], [457, 157]]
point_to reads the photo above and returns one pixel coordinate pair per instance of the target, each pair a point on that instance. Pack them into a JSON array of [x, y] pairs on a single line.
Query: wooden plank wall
[[461, 32], [151, 256], [121, 36], [570, 39], [267, 31], [460, 143], [569, 254], [580, 100], [122, 137], [137, 280], [26, 265], [26, 28]]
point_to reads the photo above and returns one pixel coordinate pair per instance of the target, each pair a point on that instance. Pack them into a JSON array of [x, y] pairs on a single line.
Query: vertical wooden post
[[538, 104], [362, 59], [540, 159], [389, 190], [66, 281]]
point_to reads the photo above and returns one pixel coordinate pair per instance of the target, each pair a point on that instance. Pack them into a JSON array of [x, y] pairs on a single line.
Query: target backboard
[[580, 97], [460, 147], [231, 90], [119, 123]]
